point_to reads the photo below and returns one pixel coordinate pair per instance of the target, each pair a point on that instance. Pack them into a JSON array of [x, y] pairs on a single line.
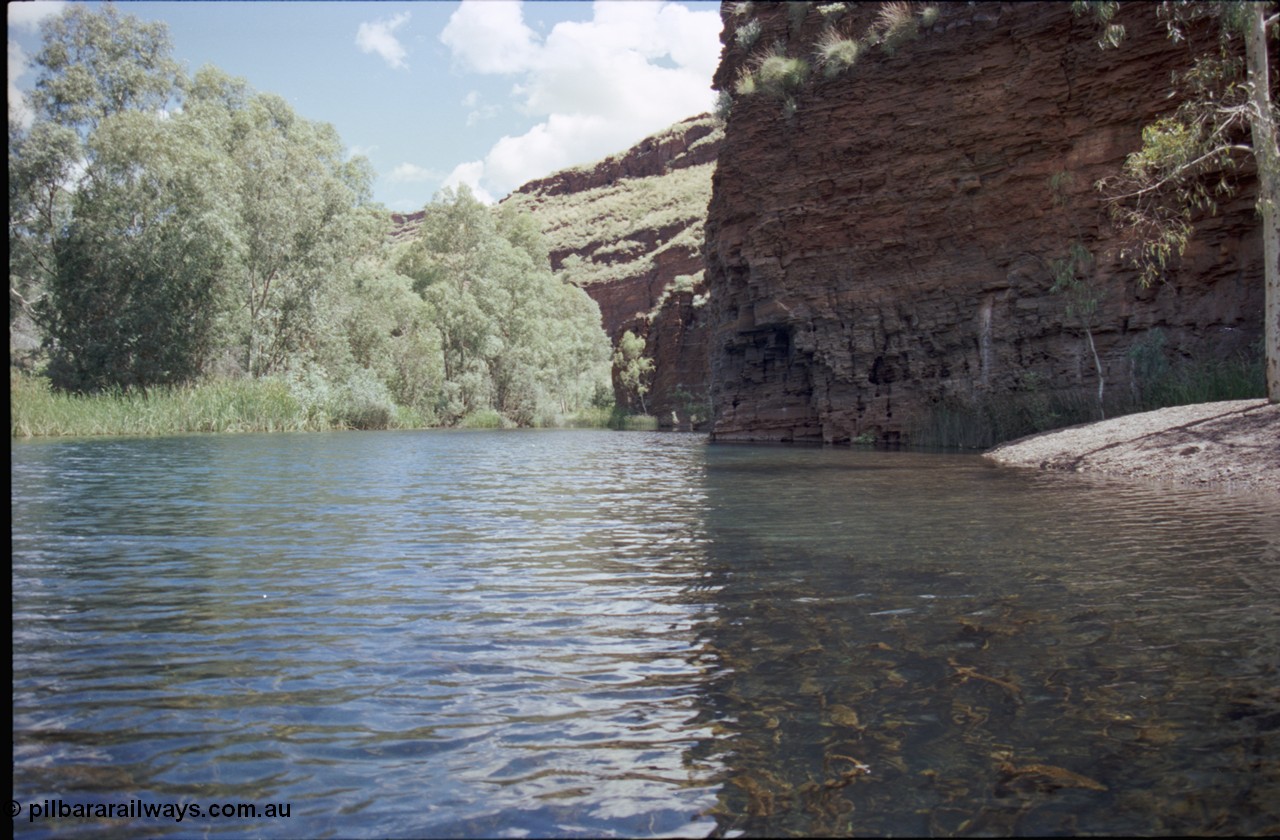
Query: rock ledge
[[1234, 444]]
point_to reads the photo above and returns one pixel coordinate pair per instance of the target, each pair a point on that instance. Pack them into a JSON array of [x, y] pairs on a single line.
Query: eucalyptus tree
[[389, 330], [513, 336], [140, 268], [117, 237], [96, 63], [448, 262], [1225, 115], [92, 64], [635, 369], [302, 217]]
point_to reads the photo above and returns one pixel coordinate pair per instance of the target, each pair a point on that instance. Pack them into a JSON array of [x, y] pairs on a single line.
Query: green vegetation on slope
[[611, 224]]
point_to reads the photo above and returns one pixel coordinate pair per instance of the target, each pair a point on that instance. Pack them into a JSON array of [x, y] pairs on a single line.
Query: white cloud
[[478, 109], [595, 86], [411, 173], [28, 15], [19, 111], [469, 173], [25, 16], [379, 37], [490, 37]]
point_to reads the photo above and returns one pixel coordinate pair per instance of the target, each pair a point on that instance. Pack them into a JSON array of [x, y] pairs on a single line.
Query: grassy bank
[[235, 405], [224, 406]]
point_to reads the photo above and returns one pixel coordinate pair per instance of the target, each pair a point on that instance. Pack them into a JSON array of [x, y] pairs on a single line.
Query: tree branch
[[26, 305], [1181, 171]]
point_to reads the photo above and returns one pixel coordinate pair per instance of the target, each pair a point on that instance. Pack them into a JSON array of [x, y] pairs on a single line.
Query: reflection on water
[[583, 633], [910, 645]]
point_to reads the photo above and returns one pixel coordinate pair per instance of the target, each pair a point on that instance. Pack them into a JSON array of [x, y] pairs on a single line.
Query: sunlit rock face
[[886, 247], [629, 230]]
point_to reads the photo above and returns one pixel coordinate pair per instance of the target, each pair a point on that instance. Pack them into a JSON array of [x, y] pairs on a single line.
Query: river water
[[572, 633]]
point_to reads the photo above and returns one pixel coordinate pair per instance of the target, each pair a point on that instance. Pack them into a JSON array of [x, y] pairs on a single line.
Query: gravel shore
[[1235, 445]]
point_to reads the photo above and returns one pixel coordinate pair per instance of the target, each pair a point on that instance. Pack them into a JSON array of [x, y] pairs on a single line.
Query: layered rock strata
[[880, 242]]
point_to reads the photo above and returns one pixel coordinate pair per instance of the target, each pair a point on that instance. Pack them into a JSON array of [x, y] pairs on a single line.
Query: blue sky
[[491, 93]]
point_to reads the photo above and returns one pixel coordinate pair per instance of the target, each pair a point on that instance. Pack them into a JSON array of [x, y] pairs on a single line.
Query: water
[[591, 633]]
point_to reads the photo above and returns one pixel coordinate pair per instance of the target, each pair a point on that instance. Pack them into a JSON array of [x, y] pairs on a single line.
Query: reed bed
[[990, 419], [228, 405], [35, 410]]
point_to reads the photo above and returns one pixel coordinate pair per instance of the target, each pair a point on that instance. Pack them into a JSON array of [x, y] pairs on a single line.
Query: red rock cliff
[[883, 247]]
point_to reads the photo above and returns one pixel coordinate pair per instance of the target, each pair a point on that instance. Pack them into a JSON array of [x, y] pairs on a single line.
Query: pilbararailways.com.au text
[[137, 809]]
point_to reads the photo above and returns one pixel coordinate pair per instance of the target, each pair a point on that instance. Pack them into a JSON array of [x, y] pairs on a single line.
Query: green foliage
[[229, 234], [797, 10], [1074, 279], [1160, 377], [299, 218], [1103, 12], [776, 74], [634, 369], [1226, 113], [484, 418], [1187, 158], [96, 63], [155, 241], [362, 401], [491, 295], [609, 219], [390, 331], [691, 408], [138, 270], [107, 202], [724, 104], [986, 418], [41, 163], [633, 422], [835, 51]]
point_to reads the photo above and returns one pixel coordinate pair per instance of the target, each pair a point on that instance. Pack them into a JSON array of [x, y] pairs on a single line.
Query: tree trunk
[[1097, 364], [1263, 128]]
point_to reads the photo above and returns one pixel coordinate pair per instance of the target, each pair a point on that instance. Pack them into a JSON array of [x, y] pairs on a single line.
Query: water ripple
[[579, 633]]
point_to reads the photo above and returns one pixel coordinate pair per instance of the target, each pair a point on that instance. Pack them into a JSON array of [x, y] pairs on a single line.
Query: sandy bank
[[1233, 444]]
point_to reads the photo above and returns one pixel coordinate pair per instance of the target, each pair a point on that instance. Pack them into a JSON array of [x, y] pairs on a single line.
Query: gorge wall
[[629, 231], [880, 245]]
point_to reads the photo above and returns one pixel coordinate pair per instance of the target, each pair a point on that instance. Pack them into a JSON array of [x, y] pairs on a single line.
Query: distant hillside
[[617, 220], [629, 230]]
